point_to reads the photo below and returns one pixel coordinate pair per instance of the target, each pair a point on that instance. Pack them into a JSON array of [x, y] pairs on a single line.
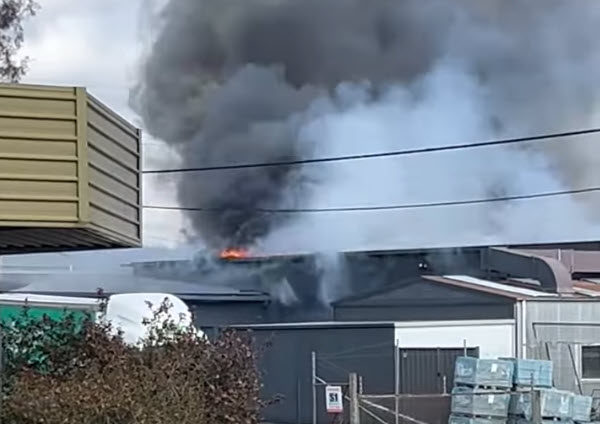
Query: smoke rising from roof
[[230, 81]]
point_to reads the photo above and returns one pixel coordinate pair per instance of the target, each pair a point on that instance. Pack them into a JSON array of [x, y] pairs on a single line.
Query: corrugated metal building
[[431, 304], [519, 303], [212, 305], [552, 312]]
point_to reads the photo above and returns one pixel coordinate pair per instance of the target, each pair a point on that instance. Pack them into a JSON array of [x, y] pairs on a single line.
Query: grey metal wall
[[556, 330], [286, 364], [423, 300], [424, 313], [428, 370], [218, 314]]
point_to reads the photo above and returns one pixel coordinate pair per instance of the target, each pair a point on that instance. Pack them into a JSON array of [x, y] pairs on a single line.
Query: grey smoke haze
[[230, 81]]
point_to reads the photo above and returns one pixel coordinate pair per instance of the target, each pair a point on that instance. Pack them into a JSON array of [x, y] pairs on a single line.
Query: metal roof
[[581, 289], [87, 285], [41, 300], [316, 324], [499, 287]]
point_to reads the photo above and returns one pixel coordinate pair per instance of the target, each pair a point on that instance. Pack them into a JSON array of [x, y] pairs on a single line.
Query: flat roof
[[505, 288], [80, 284], [317, 324], [48, 300]]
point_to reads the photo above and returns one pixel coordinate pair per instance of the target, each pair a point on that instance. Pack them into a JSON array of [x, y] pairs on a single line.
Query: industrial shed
[[497, 319], [531, 323], [529, 304], [212, 305]]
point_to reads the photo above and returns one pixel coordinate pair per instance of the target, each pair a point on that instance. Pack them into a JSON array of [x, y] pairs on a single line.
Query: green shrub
[[69, 371]]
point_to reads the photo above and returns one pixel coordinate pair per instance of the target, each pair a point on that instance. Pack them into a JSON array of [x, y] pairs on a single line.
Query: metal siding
[[424, 312], [494, 338], [114, 151], [38, 145], [51, 138], [106, 183], [422, 371], [224, 313], [286, 365], [562, 342]]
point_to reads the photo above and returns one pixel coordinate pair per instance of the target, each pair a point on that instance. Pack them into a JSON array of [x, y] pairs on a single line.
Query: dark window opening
[[590, 362]]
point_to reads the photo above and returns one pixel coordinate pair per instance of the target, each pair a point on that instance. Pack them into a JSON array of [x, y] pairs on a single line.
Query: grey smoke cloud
[[267, 80]]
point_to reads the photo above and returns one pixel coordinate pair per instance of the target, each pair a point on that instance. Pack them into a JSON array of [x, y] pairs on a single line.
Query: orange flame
[[233, 253]]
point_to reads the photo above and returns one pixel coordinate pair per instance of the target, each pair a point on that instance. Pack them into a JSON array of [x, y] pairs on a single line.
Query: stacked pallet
[[482, 391], [500, 391], [555, 405]]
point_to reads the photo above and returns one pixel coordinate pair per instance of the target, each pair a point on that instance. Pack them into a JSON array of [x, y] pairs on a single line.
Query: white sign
[[334, 399]]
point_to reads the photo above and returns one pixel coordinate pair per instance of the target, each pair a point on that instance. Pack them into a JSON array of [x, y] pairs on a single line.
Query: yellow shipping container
[[69, 172]]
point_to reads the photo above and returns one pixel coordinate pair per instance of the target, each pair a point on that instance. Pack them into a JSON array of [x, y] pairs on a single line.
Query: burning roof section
[[545, 270]]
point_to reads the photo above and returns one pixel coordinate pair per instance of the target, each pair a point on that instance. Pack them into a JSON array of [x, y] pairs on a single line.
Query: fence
[[416, 390], [403, 408]]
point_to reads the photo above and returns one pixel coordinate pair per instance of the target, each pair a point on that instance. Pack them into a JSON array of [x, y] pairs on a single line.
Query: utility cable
[[383, 207], [415, 151]]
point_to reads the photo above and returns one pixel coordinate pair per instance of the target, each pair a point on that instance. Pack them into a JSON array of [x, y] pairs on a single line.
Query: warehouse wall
[[494, 338], [223, 313], [423, 300], [556, 330], [340, 349]]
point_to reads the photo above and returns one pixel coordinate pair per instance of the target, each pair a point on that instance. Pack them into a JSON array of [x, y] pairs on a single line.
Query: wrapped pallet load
[[531, 372], [517, 420], [461, 419], [477, 402], [553, 404], [582, 408], [483, 372]]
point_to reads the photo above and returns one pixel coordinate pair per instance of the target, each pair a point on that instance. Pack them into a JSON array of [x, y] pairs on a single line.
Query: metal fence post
[[396, 383], [354, 399], [536, 407], [313, 356]]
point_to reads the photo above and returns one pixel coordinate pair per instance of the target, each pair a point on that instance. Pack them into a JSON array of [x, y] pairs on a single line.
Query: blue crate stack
[[462, 419], [582, 409], [482, 391], [475, 372], [531, 372], [499, 392], [555, 404]]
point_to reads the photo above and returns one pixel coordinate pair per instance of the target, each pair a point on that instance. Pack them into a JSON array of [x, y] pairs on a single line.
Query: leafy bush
[[73, 371]]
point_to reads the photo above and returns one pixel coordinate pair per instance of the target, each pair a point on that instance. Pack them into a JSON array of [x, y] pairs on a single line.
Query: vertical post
[[465, 351], [536, 407], [298, 399], [313, 356], [396, 383], [354, 400]]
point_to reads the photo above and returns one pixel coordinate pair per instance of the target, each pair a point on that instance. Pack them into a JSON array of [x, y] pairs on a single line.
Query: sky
[[99, 45]]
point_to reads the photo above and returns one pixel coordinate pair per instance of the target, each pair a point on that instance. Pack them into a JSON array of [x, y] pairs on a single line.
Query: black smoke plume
[[237, 81]]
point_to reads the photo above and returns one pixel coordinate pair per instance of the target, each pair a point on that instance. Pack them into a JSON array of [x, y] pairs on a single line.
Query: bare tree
[[12, 15]]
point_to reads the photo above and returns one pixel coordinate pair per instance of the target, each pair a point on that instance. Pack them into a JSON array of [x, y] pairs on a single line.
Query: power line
[[387, 207], [423, 150]]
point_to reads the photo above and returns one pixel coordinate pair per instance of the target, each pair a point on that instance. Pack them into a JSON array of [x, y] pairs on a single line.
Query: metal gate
[[425, 378], [428, 371]]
